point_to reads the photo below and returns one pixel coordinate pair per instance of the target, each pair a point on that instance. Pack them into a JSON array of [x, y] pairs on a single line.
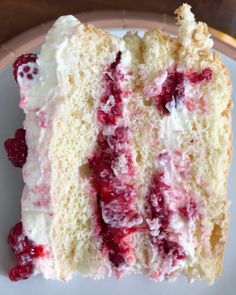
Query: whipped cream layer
[[40, 99]]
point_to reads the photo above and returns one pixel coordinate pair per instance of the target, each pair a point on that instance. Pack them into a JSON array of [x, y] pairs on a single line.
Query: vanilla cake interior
[[129, 146]]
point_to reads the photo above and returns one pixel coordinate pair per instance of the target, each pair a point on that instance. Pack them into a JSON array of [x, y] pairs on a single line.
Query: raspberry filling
[[111, 108], [172, 91], [25, 251], [173, 88], [25, 67], [112, 171], [159, 215], [16, 148], [195, 77], [189, 210], [115, 199]]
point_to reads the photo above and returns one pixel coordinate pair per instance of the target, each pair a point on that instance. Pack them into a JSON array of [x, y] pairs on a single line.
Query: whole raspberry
[[21, 272], [25, 251], [23, 67], [16, 148]]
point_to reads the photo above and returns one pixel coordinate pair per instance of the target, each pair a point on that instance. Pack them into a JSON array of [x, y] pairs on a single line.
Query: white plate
[[11, 118]]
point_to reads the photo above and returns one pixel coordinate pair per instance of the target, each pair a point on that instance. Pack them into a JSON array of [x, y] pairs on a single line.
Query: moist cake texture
[[125, 150]]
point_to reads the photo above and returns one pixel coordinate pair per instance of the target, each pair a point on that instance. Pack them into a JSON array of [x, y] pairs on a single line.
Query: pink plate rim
[[33, 38]]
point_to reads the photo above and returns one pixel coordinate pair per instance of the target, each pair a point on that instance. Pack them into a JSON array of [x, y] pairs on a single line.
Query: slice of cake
[[125, 152]]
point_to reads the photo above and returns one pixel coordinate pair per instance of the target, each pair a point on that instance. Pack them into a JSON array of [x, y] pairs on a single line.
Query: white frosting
[[186, 239], [115, 214], [154, 226], [42, 96], [154, 89], [176, 169], [175, 165], [109, 104], [120, 166]]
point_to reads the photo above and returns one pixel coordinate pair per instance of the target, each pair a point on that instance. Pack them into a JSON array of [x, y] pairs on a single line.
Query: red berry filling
[[112, 169], [115, 198], [112, 98], [158, 208], [22, 67], [16, 148], [173, 89], [195, 77], [114, 239], [189, 210], [159, 211], [25, 250], [168, 248]]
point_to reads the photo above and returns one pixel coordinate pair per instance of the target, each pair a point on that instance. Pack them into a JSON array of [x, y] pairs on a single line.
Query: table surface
[[17, 16]]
